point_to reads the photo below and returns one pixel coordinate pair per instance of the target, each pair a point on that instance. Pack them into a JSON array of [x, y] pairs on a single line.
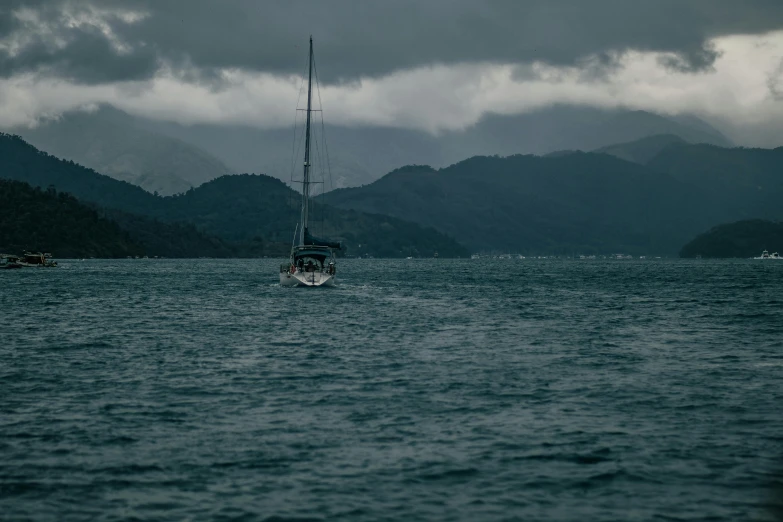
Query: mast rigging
[[306, 177]]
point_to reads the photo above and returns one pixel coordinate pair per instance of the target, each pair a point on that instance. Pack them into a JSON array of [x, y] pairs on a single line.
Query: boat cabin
[[37, 259], [34, 258], [311, 259]]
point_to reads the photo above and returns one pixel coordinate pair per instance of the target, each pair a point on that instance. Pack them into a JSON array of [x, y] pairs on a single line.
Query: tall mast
[[306, 178]]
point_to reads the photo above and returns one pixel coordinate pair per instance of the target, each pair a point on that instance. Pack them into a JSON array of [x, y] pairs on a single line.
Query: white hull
[[767, 255], [306, 279]]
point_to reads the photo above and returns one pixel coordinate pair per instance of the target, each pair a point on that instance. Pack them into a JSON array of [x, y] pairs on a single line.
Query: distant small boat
[[37, 259], [766, 255]]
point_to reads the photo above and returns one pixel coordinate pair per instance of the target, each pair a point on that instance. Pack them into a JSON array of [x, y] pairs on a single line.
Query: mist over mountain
[[360, 155], [169, 157], [111, 142]]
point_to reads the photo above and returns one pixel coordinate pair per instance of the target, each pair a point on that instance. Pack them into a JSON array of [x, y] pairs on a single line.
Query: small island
[[742, 239]]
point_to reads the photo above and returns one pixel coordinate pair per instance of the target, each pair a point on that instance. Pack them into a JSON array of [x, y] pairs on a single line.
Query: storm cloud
[[111, 40], [434, 65]]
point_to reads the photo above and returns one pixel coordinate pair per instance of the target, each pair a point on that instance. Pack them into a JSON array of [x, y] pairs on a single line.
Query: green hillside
[[584, 202], [251, 207], [164, 239], [741, 183], [563, 204], [741, 239], [45, 220], [257, 214]]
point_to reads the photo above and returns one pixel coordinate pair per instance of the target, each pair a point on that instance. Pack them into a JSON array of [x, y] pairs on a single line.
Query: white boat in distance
[[767, 255], [312, 261]]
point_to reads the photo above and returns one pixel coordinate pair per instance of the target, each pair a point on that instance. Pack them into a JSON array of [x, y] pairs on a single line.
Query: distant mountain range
[[170, 158], [251, 215], [360, 155], [647, 196], [575, 202], [112, 143]]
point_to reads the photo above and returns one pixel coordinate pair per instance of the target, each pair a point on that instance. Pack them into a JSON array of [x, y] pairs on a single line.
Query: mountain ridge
[[251, 210], [109, 141], [358, 155], [534, 205], [588, 202]]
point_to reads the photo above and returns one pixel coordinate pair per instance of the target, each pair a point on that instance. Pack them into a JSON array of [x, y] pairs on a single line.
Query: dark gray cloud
[[41, 37], [88, 57], [357, 38]]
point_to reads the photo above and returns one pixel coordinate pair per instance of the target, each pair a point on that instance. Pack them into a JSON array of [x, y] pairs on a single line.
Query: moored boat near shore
[[38, 259], [28, 259], [766, 255]]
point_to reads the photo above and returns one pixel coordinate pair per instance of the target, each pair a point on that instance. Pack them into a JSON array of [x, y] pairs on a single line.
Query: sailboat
[[312, 261]]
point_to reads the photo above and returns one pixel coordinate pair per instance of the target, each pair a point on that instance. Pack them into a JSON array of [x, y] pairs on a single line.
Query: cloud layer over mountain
[[432, 65]]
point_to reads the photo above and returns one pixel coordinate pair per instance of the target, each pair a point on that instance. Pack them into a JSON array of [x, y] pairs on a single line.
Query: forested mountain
[[257, 214], [583, 202], [110, 142], [741, 239], [22, 162], [167, 239], [742, 183], [564, 203], [44, 220], [250, 207], [578, 202]]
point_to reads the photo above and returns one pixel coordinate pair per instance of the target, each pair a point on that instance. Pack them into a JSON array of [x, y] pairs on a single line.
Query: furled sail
[[314, 241]]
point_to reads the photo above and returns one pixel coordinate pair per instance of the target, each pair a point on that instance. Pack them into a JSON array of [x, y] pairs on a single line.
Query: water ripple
[[416, 390]]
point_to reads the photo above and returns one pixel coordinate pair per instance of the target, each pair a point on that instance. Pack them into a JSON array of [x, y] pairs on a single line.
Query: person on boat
[[310, 266]]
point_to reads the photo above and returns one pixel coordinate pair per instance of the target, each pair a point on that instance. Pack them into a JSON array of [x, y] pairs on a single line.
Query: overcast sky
[[432, 65]]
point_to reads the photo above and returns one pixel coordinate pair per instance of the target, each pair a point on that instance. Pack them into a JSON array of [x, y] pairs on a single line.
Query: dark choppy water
[[417, 390]]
